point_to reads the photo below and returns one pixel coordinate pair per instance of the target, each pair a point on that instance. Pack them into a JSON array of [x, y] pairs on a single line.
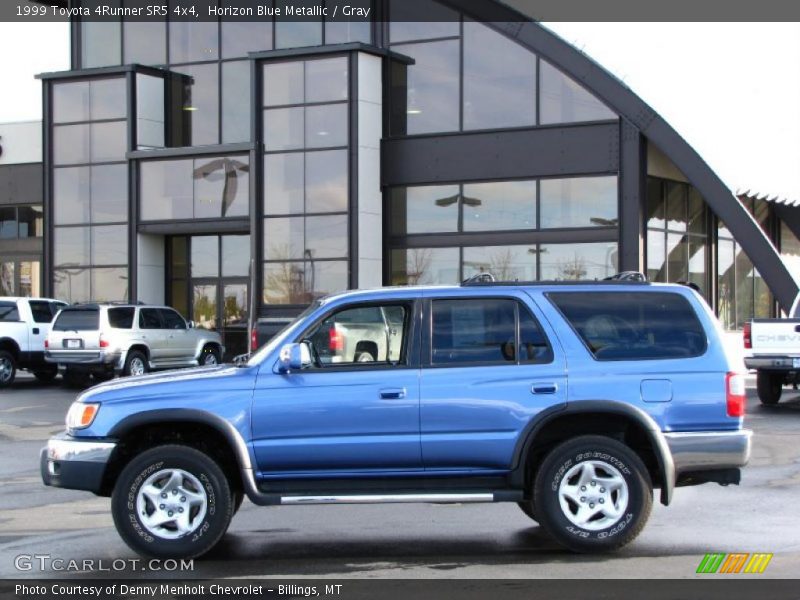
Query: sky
[[732, 90]]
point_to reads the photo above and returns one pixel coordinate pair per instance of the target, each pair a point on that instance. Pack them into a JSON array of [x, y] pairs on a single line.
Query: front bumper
[[716, 450], [75, 464]]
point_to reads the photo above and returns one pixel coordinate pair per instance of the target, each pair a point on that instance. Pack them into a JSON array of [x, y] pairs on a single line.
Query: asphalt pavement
[[46, 532]]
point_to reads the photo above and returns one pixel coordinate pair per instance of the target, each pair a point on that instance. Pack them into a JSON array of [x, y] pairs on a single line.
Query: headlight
[[81, 415]]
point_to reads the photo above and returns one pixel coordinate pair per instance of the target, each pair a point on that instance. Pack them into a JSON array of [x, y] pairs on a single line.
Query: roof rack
[[625, 277]]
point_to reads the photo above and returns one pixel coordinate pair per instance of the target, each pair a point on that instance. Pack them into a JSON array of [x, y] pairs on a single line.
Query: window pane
[[534, 347], [499, 206], [677, 257], [150, 119], [341, 32], [506, 263], [745, 281], [31, 221], [221, 187], [570, 262], [202, 103], [100, 43], [149, 318], [241, 37], [166, 190], [433, 87], [326, 237], [762, 298], [30, 278], [71, 195], [697, 212], [71, 285], [108, 98], [420, 20], [8, 223], [109, 193], [655, 203], [235, 102], [284, 239], [326, 277], [425, 209], [284, 283], [110, 245], [121, 318], [109, 141], [499, 80], [110, 285], [178, 296], [326, 181], [283, 129], [283, 182], [193, 41], [145, 42], [656, 266], [676, 206], [235, 255], [697, 264], [70, 144], [579, 202], [790, 250], [71, 102], [294, 34], [326, 80], [726, 284], [283, 83], [422, 266], [204, 306], [71, 246], [473, 331], [633, 325], [7, 289], [205, 256], [326, 126], [562, 100]]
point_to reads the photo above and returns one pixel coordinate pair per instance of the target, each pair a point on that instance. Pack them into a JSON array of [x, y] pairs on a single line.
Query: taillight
[[335, 340], [747, 336], [736, 398], [253, 340], [46, 344], [103, 342]]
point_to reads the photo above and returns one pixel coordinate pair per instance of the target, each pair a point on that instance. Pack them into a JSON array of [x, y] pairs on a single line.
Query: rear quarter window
[[8, 312], [121, 318], [77, 320], [633, 325]]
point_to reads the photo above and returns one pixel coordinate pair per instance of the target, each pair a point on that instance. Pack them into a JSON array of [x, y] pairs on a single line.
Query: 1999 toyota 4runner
[[574, 401]]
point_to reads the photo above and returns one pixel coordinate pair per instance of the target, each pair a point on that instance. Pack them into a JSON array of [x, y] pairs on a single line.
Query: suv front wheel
[[172, 502], [593, 494]]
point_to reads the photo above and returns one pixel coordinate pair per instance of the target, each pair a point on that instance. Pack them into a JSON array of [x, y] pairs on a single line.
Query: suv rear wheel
[[8, 368], [172, 502], [210, 356], [593, 494], [46, 375], [135, 364], [770, 387], [526, 506]]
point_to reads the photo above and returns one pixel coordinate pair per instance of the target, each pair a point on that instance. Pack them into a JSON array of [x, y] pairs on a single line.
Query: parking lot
[[401, 541]]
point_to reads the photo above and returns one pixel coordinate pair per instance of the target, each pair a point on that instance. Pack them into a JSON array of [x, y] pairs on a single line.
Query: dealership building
[[237, 170]]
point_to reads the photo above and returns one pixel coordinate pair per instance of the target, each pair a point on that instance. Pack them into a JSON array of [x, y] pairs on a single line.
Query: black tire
[[526, 506], [8, 368], [131, 364], [238, 498], [46, 375], [770, 387], [605, 453], [77, 378], [210, 356], [365, 356], [207, 531]]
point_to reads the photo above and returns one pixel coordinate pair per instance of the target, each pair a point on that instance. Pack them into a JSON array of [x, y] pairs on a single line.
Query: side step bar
[[388, 498]]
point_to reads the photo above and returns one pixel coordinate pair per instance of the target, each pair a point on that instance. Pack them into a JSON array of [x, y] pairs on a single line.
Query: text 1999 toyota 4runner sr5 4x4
[[573, 400]]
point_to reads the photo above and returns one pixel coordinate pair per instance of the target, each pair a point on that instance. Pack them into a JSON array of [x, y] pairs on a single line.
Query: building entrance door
[[222, 305]]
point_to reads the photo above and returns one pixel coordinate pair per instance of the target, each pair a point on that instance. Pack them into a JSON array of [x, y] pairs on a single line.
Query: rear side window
[[633, 325], [8, 312], [77, 320], [121, 318], [41, 311], [486, 331]]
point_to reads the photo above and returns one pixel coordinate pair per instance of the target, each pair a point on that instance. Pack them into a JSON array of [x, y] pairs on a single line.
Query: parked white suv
[[128, 339], [24, 323]]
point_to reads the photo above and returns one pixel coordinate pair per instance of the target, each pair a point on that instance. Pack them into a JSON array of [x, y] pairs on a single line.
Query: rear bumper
[[773, 363], [86, 358], [700, 451], [67, 462]]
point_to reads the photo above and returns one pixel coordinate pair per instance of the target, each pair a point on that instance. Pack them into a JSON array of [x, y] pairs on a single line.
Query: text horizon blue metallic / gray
[[574, 400]]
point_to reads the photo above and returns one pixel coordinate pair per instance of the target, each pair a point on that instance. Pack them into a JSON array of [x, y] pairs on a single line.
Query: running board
[[504, 496]]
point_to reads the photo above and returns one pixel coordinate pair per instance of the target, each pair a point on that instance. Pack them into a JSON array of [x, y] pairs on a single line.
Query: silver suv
[[128, 339]]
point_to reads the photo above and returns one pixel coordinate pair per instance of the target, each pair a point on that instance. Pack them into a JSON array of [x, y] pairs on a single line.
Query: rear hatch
[[76, 330]]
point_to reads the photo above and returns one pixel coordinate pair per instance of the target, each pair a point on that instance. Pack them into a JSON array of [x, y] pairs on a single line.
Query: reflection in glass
[[421, 20], [70, 144], [499, 206], [656, 263], [505, 263], [8, 223], [283, 83], [326, 237], [421, 266], [283, 129], [30, 278], [109, 193], [193, 41], [562, 100], [205, 256], [71, 102], [71, 195], [655, 203], [235, 102], [433, 86], [326, 181], [108, 98], [283, 183], [726, 284], [234, 311], [425, 209], [698, 269], [295, 34], [166, 189], [202, 102], [109, 285], [745, 282], [342, 32], [326, 80], [697, 212], [241, 37], [150, 120], [109, 141], [72, 285], [235, 255], [676, 206], [31, 221], [677, 257], [499, 80], [285, 283], [204, 306], [326, 277], [221, 187], [7, 279], [145, 42], [178, 297], [572, 262], [284, 239], [100, 43], [71, 246], [579, 202], [110, 245], [326, 126]]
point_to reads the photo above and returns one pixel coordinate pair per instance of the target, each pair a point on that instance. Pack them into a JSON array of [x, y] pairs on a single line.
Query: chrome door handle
[[393, 394], [544, 388]]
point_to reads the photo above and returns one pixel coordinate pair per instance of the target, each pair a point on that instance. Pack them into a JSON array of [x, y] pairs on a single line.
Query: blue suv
[[573, 400]]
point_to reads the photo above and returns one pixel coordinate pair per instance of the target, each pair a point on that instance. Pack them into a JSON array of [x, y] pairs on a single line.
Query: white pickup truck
[[24, 325], [774, 348]]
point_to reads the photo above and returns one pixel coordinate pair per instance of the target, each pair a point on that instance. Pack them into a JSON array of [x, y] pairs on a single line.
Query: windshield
[[280, 337]]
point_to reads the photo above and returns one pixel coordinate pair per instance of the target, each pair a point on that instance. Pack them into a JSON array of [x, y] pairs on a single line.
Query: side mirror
[[190, 324], [294, 357]]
